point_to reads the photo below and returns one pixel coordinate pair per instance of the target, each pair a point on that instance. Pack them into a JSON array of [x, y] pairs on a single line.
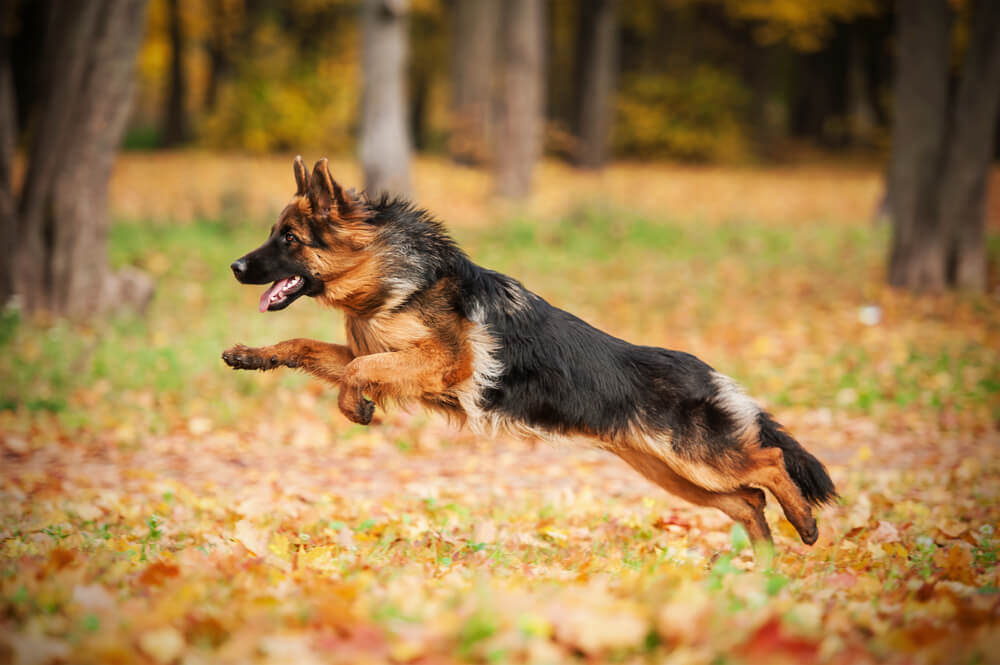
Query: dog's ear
[[325, 193], [301, 176]]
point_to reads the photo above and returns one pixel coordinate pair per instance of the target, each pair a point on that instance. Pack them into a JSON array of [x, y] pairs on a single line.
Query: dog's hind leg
[[744, 504], [321, 359], [769, 471]]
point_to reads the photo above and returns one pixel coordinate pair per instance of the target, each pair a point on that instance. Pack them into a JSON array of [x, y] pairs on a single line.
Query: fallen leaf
[[164, 645]]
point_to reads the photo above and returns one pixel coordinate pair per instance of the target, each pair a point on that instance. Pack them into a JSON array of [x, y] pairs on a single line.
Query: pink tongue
[[265, 298]]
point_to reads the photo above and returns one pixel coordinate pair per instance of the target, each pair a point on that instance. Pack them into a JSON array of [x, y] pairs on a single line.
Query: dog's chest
[[384, 333]]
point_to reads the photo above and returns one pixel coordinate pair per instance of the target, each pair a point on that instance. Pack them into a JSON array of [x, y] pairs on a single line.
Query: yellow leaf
[[320, 558], [863, 454], [280, 547]]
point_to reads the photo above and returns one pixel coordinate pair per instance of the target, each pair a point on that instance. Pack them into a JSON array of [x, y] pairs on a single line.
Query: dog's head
[[321, 235]]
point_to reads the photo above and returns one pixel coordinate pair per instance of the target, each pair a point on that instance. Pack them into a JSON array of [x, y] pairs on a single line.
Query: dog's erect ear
[[324, 192], [301, 176]]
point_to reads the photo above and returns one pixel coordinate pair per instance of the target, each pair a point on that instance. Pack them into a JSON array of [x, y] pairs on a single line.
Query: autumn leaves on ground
[[158, 508]]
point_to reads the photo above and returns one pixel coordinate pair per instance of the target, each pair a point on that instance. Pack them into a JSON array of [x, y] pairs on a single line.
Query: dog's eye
[[290, 238]]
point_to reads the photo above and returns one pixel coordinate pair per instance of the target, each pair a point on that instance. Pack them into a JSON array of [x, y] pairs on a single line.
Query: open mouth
[[281, 294]]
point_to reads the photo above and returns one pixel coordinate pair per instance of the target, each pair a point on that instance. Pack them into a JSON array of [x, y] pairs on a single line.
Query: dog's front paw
[[243, 357], [365, 411], [355, 406]]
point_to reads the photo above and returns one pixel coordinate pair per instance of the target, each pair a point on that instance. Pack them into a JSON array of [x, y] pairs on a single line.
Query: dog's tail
[[806, 471]]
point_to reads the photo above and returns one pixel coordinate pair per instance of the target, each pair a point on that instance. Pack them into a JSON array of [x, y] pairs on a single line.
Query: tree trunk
[[860, 110], [218, 59], [62, 218], [596, 63], [474, 54], [919, 246], [963, 186], [8, 134], [385, 141], [420, 92], [519, 129], [174, 110]]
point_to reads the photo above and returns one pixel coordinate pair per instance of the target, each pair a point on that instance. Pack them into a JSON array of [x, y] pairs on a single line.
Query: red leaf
[[769, 640]]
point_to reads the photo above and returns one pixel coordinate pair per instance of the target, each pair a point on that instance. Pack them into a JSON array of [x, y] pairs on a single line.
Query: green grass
[[712, 289]]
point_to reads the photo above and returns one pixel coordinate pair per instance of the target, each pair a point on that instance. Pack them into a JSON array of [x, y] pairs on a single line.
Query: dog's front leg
[[321, 359], [401, 375]]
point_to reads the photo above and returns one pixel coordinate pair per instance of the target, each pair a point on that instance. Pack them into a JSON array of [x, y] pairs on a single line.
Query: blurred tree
[[942, 146], [860, 106], [474, 56], [8, 137], [519, 127], [60, 262], [218, 44], [429, 62], [596, 65], [174, 129], [385, 141]]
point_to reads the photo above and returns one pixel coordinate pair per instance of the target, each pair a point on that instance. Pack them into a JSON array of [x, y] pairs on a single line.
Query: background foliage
[[266, 76]]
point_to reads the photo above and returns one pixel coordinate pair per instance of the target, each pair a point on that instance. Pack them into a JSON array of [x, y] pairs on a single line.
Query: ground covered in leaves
[[156, 507]]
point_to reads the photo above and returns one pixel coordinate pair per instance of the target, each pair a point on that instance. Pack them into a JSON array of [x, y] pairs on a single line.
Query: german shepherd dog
[[426, 324]]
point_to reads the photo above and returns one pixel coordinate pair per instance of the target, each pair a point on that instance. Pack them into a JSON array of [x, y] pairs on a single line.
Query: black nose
[[239, 267]]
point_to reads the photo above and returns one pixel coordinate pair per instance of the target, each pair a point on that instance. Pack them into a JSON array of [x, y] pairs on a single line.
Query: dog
[[425, 324]]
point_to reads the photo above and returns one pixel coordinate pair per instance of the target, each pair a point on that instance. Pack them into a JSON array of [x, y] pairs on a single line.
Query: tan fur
[[769, 472], [379, 334], [743, 504]]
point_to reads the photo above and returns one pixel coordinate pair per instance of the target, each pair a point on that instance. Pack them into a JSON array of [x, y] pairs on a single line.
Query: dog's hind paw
[[809, 532], [242, 357]]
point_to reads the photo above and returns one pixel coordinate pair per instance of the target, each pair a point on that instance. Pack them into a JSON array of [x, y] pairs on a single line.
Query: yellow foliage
[[695, 117]]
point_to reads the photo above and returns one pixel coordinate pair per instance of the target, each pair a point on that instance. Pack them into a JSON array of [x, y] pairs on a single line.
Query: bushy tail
[[806, 471]]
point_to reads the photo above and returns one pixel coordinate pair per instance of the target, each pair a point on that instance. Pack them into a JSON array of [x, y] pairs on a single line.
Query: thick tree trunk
[[385, 141], [519, 128], [919, 244], [8, 134], [175, 107], [962, 208], [62, 219], [596, 62], [474, 55]]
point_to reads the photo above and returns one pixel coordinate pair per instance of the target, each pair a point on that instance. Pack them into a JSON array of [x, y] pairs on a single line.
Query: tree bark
[[596, 63], [385, 140], [62, 218], [942, 152], [519, 129], [175, 108], [919, 245], [474, 55], [963, 186], [218, 57], [860, 110], [8, 134]]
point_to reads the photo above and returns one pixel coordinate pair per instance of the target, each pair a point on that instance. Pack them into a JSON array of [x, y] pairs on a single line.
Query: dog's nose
[[239, 267]]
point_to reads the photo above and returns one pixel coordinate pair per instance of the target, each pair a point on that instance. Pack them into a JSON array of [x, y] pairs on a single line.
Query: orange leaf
[[158, 573]]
